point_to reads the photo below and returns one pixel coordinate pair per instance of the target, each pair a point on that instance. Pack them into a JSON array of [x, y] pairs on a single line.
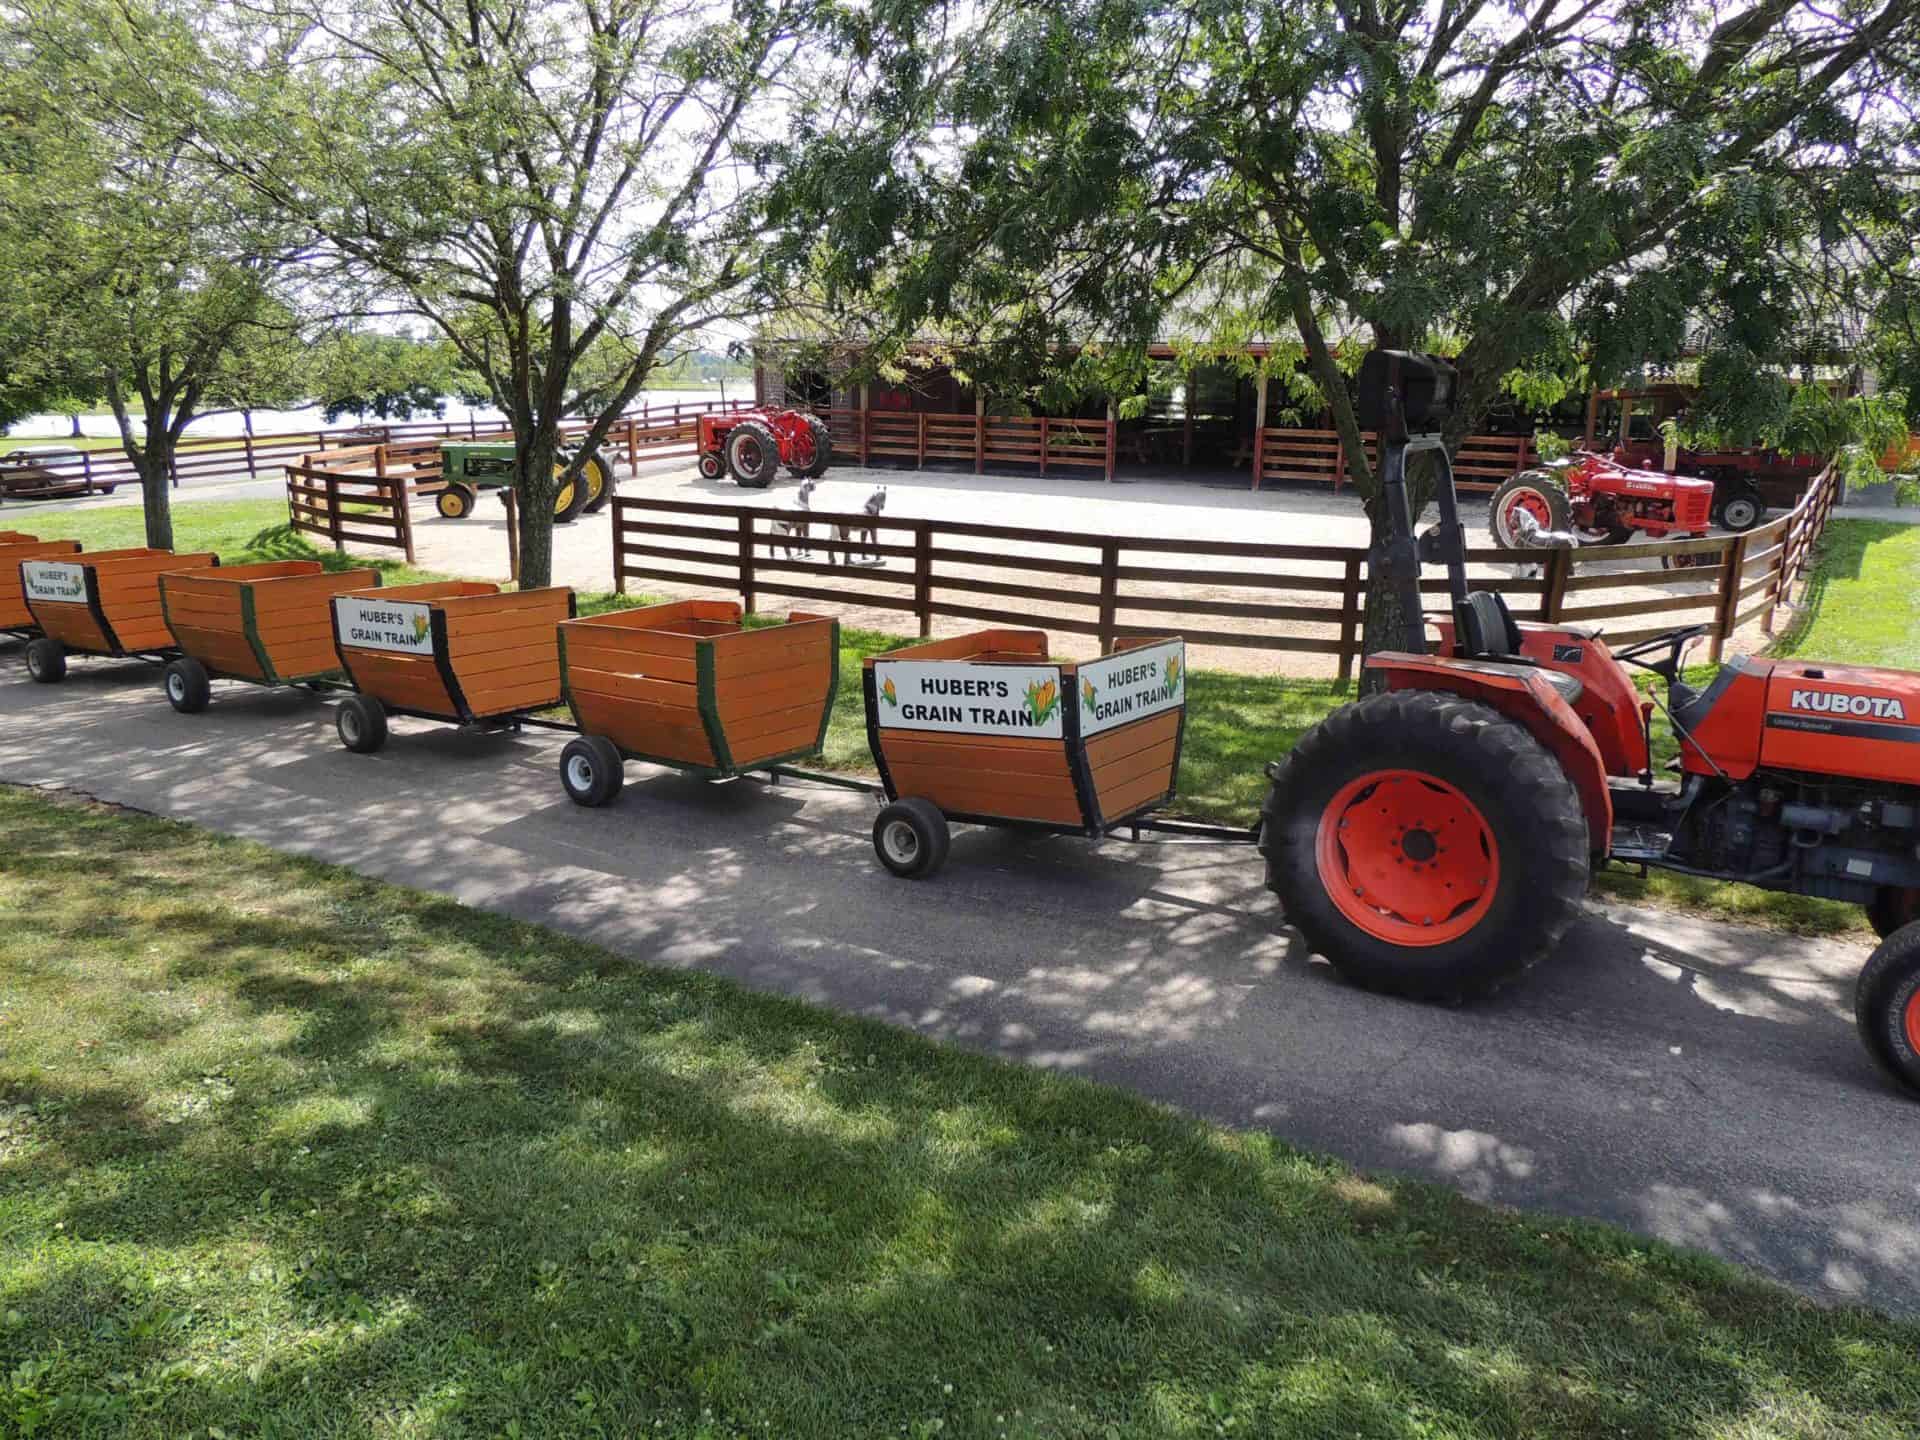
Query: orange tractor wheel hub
[[1407, 857]]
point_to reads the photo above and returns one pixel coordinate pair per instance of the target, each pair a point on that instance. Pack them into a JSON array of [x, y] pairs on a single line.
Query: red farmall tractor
[[752, 445], [1435, 839], [1598, 502]]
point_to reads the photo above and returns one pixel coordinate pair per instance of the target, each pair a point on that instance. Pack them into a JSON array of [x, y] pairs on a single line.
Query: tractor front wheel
[[711, 466], [753, 455], [1425, 844], [1738, 507], [1525, 505], [1886, 1005]]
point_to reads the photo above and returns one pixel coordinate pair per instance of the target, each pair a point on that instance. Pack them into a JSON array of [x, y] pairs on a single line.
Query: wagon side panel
[[1129, 712], [639, 688], [287, 617], [205, 616], [988, 775], [503, 650], [771, 690], [14, 614], [129, 595], [1134, 767]]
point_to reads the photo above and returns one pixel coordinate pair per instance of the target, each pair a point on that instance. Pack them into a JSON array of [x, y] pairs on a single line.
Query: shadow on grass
[[463, 1174]]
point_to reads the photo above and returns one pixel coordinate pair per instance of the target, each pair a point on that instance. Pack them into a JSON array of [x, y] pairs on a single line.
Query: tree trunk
[[74, 434], [533, 455], [156, 474]]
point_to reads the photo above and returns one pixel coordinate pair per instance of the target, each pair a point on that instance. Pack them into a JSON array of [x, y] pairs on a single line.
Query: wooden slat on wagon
[[270, 623], [106, 602], [16, 546]]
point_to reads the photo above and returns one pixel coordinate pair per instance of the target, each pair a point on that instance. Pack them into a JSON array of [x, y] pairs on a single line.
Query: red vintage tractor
[[1435, 839], [1597, 501], [752, 445]]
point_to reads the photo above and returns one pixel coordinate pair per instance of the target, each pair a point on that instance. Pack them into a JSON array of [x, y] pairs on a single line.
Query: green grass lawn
[[1864, 605], [289, 1152]]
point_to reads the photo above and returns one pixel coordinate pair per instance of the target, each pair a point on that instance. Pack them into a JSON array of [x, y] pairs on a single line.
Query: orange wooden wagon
[[104, 603], [687, 685], [462, 651], [985, 729], [15, 546], [267, 624]]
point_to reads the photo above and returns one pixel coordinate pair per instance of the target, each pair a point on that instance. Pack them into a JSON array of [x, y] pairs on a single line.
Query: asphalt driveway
[[1691, 1080]]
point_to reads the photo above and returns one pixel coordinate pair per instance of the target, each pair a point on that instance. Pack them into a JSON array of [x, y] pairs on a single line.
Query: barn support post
[[1259, 424]]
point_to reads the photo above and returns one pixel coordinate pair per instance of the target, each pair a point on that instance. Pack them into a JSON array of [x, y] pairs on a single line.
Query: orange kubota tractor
[[1434, 839]]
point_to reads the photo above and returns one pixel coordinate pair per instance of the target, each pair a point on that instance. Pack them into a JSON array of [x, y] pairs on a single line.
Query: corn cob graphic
[[1042, 697]]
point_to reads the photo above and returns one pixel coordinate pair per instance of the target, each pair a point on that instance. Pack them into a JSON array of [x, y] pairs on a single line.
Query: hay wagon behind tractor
[[985, 729], [267, 624], [686, 685], [15, 618], [106, 603], [461, 651]]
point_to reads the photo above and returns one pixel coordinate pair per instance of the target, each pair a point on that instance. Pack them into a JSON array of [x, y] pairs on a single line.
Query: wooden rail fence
[[1299, 598], [1482, 463]]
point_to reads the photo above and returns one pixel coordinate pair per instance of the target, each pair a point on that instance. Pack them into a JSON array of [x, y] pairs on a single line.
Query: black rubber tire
[[455, 502], [362, 723], [711, 466], [592, 770], [911, 838], [753, 455], [1891, 908], [1887, 986], [601, 484], [46, 660], [188, 685], [1739, 508], [1559, 507], [822, 450], [570, 500], [1520, 790]]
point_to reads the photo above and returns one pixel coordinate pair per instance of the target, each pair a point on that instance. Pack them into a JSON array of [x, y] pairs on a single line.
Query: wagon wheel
[[1886, 1005], [592, 770], [1526, 505], [362, 723], [1425, 844], [911, 838], [189, 688], [46, 660]]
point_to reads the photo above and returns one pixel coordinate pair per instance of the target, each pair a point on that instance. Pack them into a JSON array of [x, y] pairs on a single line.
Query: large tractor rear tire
[[1425, 844], [1535, 494], [1886, 1005], [571, 496], [753, 455], [822, 456], [597, 476]]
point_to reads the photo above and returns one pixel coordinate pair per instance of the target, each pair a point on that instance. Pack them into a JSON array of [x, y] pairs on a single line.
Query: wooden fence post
[[86, 468], [404, 515], [979, 433], [923, 576], [619, 567], [1111, 447], [746, 561], [1349, 619], [920, 442], [633, 447], [1109, 593], [333, 513], [1554, 593], [512, 502], [1043, 444], [1734, 559]]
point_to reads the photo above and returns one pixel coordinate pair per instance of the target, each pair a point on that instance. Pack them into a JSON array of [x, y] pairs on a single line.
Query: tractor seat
[[1486, 634]]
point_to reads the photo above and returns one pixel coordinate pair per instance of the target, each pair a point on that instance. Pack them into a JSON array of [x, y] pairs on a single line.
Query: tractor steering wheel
[[1674, 642]]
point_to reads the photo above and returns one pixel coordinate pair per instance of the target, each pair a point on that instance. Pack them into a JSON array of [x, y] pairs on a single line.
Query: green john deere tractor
[[469, 466]]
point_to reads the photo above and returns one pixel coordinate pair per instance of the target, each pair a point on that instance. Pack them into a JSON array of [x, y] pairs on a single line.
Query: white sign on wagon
[[963, 698], [373, 624], [1119, 689], [55, 580]]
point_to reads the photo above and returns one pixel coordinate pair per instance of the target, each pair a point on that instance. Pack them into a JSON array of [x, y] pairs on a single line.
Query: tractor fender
[[1522, 694]]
